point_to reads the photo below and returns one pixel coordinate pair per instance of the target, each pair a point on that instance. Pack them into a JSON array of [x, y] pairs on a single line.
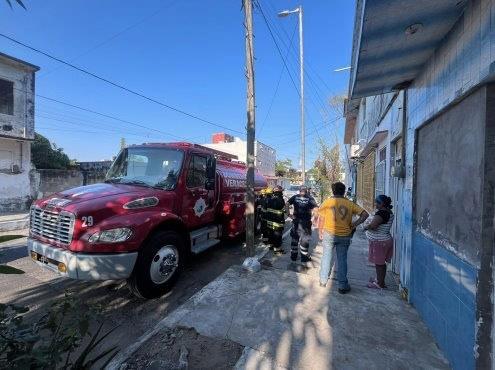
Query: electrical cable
[[120, 86], [114, 36], [278, 82]]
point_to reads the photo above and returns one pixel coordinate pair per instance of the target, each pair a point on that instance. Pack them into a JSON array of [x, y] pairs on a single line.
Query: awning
[[350, 126], [394, 39], [373, 143]]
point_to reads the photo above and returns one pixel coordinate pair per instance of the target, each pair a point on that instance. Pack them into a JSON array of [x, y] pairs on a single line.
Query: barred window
[[6, 97]]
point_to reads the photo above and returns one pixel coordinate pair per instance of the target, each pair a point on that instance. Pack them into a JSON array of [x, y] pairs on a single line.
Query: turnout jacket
[[303, 205], [275, 212]]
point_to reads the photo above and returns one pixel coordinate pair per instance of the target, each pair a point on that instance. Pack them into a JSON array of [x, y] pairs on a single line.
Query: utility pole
[[286, 13], [301, 66], [250, 128]]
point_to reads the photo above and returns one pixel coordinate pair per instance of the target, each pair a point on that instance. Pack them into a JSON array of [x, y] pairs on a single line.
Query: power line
[[285, 64], [119, 86], [277, 46], [106, 115], [114, 36], [278, 82], [307, 70]]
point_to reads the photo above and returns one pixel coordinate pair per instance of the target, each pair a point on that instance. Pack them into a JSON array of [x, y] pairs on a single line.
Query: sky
[[188, 54]]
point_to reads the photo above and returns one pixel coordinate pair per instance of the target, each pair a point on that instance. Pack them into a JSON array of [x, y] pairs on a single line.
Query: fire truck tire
[[158, 265]]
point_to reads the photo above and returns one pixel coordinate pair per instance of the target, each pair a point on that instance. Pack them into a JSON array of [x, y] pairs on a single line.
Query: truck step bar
[[205, 238]]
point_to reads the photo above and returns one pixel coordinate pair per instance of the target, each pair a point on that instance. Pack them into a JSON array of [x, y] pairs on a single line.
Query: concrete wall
[[447, 243], [449, 178], [463, 61], [16, 191], [22, 121], [53, 181]]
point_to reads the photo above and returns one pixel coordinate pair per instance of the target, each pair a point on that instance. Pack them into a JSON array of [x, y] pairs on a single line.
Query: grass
[[10, 270], [6, 238]]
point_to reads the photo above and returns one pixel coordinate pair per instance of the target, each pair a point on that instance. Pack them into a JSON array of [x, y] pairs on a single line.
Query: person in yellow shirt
[[336, 229]]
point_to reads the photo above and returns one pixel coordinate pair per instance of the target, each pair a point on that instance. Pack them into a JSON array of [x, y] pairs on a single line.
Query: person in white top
[[381, 246]]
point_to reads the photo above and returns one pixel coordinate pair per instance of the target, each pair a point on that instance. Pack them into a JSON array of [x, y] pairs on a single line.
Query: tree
[[282, 167], [337, 102], [328, 168], [46, 155]]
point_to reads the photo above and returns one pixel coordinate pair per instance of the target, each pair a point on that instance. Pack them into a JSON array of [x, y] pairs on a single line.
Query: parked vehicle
[[159, 203], [291, 190]]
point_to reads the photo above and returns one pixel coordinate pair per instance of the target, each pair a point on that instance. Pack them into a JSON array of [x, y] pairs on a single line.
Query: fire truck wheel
[[158, 265]]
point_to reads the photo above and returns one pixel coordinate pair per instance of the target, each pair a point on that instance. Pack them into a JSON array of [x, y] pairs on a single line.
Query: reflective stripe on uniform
[[273, 225], [276, 211]]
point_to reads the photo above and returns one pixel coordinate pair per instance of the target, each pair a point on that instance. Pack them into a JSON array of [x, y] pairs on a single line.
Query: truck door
[[198, 208]]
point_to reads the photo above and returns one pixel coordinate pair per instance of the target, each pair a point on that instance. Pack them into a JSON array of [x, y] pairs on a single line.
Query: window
[[6, 97], [196, 176], [147, 166], [380, 175], [137, 165], [383, 154]]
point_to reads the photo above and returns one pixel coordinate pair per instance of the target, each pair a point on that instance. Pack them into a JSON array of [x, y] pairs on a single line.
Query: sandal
[[374, 285]]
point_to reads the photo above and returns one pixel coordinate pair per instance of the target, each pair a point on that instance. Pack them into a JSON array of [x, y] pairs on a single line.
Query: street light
[[282, 14]]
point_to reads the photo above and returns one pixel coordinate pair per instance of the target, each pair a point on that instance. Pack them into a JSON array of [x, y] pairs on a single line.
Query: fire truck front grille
[[52, 225]]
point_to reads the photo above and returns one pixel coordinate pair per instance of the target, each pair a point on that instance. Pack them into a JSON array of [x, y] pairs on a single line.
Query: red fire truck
[[159, 203]]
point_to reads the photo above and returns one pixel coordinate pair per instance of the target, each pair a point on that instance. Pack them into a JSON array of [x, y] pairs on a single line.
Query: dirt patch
[[185, 348]]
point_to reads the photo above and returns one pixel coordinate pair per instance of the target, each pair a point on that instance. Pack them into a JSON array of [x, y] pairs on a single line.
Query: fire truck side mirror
[[211, 165], [210, 185]]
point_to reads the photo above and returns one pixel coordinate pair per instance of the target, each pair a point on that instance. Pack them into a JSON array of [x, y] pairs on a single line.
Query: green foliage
[[4, 269], [54, 341], [46, 155], [283, 168], [6, 238], [328, 168]]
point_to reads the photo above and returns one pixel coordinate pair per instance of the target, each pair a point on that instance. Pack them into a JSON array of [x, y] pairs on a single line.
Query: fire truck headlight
[[111, 236]]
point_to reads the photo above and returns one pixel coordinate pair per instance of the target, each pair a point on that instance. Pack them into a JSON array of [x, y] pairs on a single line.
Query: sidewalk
[[284, 319], [12, 222]]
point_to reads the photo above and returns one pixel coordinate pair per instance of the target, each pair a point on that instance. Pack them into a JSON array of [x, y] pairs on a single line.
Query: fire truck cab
[[158, 204]]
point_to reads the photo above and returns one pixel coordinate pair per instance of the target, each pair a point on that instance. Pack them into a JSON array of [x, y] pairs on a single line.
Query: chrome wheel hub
[[164, 264]]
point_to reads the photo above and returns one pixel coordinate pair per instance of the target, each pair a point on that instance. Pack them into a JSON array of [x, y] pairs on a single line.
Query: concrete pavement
[[284, 319], [37, 288]]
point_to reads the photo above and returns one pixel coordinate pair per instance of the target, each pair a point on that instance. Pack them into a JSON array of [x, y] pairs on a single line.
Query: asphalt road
[[38, 287]]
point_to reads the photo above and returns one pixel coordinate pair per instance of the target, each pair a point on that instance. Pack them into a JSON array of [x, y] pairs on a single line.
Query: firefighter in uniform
[[275, 219], [265, 231], [303, 204], [260, 198]]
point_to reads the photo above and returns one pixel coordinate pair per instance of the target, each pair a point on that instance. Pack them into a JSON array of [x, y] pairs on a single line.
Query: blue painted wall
[[443, 290]]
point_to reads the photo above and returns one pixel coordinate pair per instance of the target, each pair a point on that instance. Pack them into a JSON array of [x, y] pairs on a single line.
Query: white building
[[265, 156], [17, 80]]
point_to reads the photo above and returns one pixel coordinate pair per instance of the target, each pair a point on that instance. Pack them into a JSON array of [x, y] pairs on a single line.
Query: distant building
[[265, 156], [17, 81], [103, 166]]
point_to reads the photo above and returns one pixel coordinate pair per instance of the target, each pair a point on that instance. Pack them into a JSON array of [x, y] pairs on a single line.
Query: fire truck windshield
[[150, 167]]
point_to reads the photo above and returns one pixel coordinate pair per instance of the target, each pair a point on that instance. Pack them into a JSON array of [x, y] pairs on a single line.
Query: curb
[[122, 356]]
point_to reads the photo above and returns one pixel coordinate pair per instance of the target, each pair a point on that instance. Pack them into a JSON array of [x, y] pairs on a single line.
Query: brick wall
[[368, 179]]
